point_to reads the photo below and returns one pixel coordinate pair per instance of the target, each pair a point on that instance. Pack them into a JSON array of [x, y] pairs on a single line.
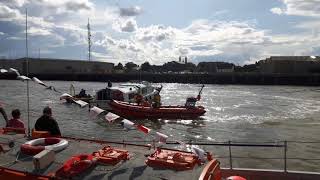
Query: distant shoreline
[[215, 78]]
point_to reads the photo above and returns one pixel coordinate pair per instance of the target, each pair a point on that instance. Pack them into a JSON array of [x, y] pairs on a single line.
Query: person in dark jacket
[[47, 123]]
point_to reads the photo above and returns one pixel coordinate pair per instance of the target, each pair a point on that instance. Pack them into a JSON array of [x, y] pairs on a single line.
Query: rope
[[16, 160]]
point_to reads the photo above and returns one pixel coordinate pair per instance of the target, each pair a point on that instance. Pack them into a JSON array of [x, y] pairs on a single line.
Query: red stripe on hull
[[172, 112]]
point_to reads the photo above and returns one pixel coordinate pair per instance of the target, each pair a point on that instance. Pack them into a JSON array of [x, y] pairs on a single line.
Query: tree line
[[173, 66]]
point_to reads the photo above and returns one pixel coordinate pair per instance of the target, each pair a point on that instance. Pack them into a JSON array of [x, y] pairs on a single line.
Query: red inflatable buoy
[[75, 166], [236, 178]]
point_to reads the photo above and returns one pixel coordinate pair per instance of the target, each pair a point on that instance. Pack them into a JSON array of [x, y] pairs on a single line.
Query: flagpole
[[27, 68], [89, 40]]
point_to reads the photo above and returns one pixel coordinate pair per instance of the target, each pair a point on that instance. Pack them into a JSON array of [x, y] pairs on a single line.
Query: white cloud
[[155, 32], [61, 6], [276, 10], [38, 32], [60, 25], [128, 25], [299, 8], [183, 51], [15, 38], [13, 3], [130, 11], [128, 45], [101, 56], [202, 38], [8, 14]]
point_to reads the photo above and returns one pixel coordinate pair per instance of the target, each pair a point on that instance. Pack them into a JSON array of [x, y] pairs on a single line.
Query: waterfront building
[[290, 64], [58, 66], [215, 67]]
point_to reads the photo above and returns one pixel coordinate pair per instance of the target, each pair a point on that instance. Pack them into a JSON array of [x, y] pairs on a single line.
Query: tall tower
[[89, 41]]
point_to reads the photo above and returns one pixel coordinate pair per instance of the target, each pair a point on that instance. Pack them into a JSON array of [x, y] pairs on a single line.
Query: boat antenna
[[200, 91], [27, 69], [89, 41]]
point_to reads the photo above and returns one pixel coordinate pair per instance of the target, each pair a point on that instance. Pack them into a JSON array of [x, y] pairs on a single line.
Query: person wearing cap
[[15, 122], [3, 112], [47, 123]]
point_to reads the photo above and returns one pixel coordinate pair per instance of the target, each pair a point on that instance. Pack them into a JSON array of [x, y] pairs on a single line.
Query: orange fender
[[40, 134]]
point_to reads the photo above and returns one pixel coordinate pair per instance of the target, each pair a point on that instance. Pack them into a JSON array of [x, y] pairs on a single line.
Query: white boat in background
[[126, 92]]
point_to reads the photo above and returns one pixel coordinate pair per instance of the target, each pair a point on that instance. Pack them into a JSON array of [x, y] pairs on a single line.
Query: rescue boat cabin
[[125, 92]]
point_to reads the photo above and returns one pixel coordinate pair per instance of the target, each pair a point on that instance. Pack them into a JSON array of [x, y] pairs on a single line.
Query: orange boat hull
[[145, 112]]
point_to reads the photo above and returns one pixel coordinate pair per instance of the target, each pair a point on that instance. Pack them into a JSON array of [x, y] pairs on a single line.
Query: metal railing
[[230, 145], [278, 144]]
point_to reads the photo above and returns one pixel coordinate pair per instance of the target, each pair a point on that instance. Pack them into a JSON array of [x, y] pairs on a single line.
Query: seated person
[[82, 93], [47, 123], [109, 84], [15, 122], [190, 102]]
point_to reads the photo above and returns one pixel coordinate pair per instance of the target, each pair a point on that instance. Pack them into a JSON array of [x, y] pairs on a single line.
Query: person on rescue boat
[[47, 123], [156, 100], [191, 101], [3, 112], [82, 93], [109, 84], [138, 98]]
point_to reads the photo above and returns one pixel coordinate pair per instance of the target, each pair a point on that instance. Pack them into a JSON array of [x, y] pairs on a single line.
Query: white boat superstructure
[[126, 92]]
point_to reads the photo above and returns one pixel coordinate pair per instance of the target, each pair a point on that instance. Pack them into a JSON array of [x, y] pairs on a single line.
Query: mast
[[27, 67], [89, 41]]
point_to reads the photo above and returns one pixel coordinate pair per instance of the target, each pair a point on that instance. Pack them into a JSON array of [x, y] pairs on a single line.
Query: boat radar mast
[[89, 41]]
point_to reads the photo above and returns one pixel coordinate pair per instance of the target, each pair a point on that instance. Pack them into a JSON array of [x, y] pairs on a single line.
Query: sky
[[159, 31]]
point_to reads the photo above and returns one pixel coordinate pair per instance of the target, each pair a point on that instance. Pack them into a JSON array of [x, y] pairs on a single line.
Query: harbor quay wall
[[215, 78]]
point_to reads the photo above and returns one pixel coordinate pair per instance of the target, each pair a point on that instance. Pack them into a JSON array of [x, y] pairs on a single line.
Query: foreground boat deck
[[135, 168]]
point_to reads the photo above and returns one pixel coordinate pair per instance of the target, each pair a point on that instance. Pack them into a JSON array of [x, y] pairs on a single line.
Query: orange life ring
[[111, 156], [75, 166], [35, 146]]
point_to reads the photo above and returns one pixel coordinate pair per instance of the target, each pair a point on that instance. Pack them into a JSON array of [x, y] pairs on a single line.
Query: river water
[[237, 113]]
